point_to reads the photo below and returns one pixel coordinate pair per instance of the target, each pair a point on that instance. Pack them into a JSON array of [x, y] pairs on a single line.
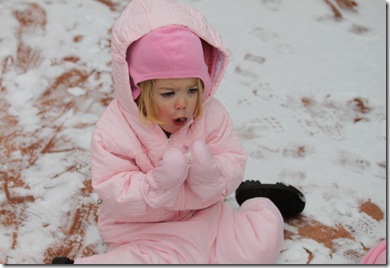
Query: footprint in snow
[[273, 5], [327, 122], [260, 127], [353, 162]]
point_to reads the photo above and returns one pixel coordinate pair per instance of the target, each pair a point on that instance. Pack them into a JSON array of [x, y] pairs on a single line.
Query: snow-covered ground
[[306, 88]]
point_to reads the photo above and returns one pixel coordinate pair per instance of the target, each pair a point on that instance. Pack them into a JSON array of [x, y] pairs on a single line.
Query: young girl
[[165, 153]]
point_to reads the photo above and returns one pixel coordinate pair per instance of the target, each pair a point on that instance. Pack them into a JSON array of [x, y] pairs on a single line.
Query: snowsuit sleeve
[[120, 167], [116, 178]]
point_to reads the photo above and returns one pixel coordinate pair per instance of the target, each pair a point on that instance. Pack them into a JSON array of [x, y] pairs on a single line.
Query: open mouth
[[180, 121]]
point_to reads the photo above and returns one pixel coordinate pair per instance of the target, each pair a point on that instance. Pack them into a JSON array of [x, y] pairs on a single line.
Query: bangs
[[147, 107]]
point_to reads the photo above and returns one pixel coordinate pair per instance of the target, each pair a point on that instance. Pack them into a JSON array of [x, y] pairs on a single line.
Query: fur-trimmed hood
[[141, 17]]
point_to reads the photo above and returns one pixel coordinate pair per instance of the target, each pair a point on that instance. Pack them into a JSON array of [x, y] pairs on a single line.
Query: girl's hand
[[170, 172], [204, 168]]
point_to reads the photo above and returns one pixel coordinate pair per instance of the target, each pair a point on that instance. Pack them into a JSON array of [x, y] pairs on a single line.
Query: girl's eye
[[167, 94], [193, 90]]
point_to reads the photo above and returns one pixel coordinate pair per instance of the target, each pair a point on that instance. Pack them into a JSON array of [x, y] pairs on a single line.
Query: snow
[[306, 92]]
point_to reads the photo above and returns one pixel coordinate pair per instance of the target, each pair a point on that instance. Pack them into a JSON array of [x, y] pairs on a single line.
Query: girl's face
[[176, 101]]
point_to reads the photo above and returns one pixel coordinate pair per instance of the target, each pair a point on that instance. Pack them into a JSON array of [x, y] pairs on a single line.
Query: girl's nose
[[181, 103]]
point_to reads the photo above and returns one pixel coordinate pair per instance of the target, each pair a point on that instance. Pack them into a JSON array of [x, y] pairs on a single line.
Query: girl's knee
[[263, 209], [254, 234], [267, 230]]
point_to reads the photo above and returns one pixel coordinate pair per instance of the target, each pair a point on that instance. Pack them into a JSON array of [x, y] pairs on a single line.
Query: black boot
[[288, 199], [62, 260]]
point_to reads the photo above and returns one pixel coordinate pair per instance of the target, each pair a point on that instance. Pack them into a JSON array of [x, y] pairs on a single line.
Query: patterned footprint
[[271, 124], [284, 48], [291, 175], [306, 124], [243, 102], [246, 75], [268, 36], [273, 5], [262, 151], [254, 58], [257, 154], [37, 215], [31, 19], [364, 227], [263, 91], [27, 58], [353, 162], [298, 150], [260, 128], [326, 121], [351, 249], [264, 35]]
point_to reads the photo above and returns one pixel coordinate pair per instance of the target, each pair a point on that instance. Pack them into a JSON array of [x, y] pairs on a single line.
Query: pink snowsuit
[[194, 225]]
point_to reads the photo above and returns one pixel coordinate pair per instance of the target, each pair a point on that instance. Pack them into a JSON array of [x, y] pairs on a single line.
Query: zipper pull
[[169, 141]]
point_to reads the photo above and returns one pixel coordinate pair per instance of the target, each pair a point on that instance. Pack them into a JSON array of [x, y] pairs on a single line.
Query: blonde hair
[[147, 107]]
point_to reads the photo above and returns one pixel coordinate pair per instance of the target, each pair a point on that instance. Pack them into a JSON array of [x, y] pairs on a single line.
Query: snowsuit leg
[[178, 242], [251, 235], [215, 235], [142, 252]]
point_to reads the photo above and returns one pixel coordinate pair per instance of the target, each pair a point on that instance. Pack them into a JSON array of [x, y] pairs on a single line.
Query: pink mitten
[[204, 168], [164, 181]]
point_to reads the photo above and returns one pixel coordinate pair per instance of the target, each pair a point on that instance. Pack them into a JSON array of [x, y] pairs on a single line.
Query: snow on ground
[[306, 88]]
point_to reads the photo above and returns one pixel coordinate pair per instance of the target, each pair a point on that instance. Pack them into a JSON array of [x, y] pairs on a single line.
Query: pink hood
[[149, 15]]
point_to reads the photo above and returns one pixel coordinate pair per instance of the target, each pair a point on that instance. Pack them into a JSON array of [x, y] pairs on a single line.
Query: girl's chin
[[170, 128]]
